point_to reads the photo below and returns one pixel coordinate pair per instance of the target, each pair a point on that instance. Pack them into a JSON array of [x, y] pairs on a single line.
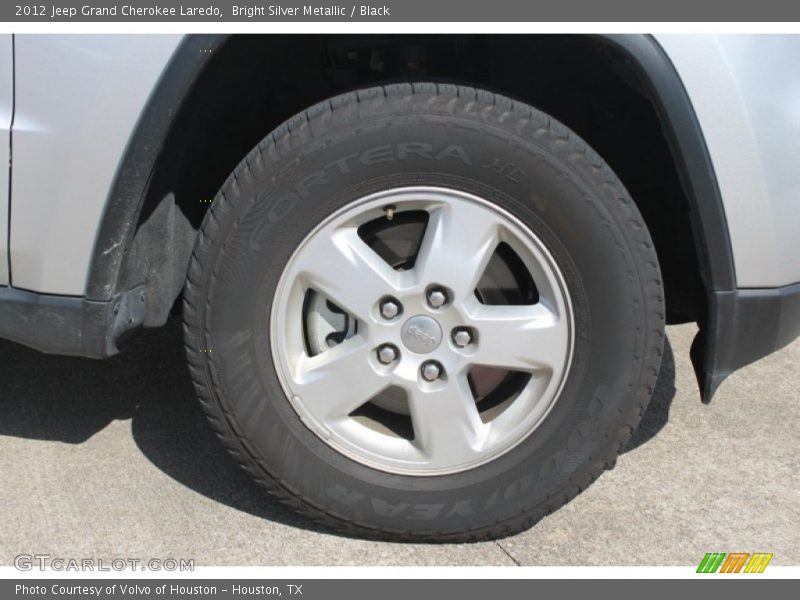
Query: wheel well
[[253, 83]]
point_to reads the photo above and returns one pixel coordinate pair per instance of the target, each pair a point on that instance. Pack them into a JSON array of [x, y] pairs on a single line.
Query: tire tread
[[460, 101]]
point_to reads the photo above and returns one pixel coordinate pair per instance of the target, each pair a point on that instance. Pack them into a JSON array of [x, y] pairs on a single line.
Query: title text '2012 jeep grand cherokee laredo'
[[424, 279]]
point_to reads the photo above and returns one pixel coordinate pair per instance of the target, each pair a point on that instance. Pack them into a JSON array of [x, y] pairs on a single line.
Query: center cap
[[421, 334]]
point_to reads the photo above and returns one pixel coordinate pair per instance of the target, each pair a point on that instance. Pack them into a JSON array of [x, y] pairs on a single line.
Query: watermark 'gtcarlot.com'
[[43, 562]]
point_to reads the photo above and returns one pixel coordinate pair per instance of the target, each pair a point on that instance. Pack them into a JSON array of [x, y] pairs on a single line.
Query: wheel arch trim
[[129, 189], [654, 67], [643, 53]]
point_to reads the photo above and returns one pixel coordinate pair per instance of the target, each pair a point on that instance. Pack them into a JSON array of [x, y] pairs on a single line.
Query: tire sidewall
[[564, 202]]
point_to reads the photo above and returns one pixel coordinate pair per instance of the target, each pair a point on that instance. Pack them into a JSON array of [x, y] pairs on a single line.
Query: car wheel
[[424, 312]]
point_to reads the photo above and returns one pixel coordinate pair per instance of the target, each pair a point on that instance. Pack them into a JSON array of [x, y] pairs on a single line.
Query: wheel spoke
[[447, 427], [343, 268], [435, 298], [520, 338], [333, 384], [458, 243]]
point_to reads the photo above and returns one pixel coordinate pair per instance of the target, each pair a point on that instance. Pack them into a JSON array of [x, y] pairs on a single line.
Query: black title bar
[[469, 11]]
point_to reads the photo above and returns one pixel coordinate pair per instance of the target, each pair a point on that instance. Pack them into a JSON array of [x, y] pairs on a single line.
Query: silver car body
[[745, 90], [78, 99], [6, 114], [77, 102]]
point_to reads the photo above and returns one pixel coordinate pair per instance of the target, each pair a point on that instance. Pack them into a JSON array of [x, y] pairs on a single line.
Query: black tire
[[513, 155]]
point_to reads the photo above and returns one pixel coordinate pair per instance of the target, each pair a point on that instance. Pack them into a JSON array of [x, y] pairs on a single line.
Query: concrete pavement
[[114, 459]]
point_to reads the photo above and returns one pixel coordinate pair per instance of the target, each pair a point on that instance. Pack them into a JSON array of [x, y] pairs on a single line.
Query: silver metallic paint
[[745, 90], [6, 107], [79, 97]]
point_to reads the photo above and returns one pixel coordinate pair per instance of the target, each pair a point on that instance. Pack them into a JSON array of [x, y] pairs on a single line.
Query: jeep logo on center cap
[[421, 334]]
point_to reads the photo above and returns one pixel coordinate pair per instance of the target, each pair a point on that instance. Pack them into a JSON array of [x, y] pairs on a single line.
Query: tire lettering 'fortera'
[[342, 166]]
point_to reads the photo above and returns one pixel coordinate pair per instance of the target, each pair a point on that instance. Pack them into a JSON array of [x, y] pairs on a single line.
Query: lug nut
[[390, 309], [431, 371], [462, 337], [437, 298], [387, 354]]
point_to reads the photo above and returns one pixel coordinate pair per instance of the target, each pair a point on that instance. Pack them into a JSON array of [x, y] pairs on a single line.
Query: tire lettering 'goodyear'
[[470, 506]]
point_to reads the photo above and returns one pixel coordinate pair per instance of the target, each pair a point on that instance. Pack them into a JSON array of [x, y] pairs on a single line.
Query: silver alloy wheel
[[450, 433]]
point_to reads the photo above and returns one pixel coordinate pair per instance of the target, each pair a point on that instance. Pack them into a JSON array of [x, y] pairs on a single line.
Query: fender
[[643, 52], [135, 171], [740, 325], [707, 212], [658, 77], [723, 344]]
